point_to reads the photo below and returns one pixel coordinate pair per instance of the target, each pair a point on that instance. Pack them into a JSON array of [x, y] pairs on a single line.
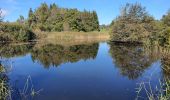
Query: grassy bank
[[70, 38], [15, 32]]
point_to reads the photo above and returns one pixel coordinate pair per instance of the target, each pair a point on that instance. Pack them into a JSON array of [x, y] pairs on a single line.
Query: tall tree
[[42, 14], [31, 18], [134, 24], [53, 18], [95, 21]]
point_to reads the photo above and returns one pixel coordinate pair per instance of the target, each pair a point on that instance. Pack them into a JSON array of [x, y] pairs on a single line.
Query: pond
[[96, 71]]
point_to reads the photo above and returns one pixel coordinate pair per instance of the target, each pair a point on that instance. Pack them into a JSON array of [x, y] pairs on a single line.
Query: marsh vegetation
[[66, 49]]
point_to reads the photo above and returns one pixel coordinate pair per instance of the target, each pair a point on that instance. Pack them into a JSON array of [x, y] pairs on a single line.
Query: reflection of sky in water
[[92, 79]]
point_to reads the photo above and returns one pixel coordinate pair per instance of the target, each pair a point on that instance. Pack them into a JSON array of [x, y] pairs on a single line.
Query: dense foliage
[[133, 24], [165, 30], [166, 19], [53, 18], [15, 32], [48, 18]]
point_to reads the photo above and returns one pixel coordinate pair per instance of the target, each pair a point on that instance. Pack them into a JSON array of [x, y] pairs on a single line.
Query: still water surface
[[99, 71]]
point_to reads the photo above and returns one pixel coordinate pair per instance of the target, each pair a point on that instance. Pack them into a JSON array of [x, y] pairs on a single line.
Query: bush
[[15, 32], [133, 25], [164, 39]]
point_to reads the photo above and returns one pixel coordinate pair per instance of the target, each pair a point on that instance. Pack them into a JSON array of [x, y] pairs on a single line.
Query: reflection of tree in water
[[12, 50], [132, 60], [56, 54], [50, 54]]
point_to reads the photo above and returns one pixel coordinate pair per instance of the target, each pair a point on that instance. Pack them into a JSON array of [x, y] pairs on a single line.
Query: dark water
[[99, 71]]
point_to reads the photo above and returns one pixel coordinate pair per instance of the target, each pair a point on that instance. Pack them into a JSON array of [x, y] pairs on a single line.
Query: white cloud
[[4, 12]]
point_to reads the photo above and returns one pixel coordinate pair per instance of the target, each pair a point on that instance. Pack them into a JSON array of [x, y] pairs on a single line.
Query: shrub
[[15, 32], [164, 39], [134, 24]]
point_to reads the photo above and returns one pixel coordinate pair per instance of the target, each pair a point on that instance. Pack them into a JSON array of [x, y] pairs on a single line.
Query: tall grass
[[7, 90], [73, 38], [76, 35], [161, 92]]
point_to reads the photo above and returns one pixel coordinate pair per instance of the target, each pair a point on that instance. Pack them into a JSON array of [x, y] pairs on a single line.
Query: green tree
[[15, 32], [166, 19], [31, 19], [53, 18], [134, 24], [42, 14], [164, 30], [95, 21]]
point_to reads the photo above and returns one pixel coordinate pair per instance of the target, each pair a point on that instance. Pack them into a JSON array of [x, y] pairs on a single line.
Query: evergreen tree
[[53, 18], [42, 14], [95, 21], [31, 19]]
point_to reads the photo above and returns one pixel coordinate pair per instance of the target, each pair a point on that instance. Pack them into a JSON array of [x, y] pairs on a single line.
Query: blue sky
[[107, 10]]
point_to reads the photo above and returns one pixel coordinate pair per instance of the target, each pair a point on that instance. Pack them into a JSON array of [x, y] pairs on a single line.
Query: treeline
[[48, 18], [135, 24], [53, 18]]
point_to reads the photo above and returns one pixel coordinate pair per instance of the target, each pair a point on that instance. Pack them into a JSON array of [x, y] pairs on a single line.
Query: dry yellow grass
[[74, 38]]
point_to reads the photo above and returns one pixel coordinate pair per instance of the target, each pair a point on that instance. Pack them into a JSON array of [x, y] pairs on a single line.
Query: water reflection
[[56, 54], [133, 60], [13, 50], [51, 54], [95, 79]]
